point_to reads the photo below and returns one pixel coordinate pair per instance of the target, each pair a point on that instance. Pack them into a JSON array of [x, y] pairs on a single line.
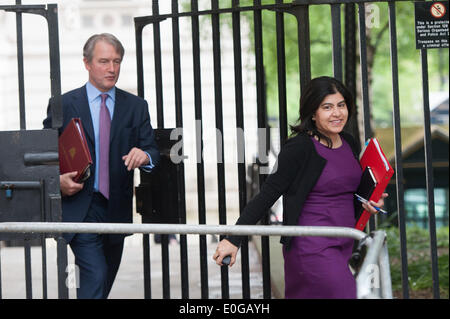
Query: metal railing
[[373, 279]]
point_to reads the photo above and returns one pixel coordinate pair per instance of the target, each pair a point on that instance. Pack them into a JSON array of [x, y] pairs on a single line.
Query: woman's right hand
[[225, 248]]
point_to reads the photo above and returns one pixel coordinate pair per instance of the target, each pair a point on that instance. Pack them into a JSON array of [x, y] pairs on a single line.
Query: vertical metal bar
[[55, 71], [57, 119], [44, 267], [350, 48], [398, 149], [429, 175], [259, 66], [28, 282], [180, 168], [444, 219], [61, 261], [199, 139], [176, 64], [281, 64], [165, 266], [350, 63], [20, 71], [219, 134], [304, 49], [147, 266], [262, 123], [158, 66], [139, 60], [304, 46], [42, 239], [364, 74], [141, 93], [1, 297], [245, 268], [336, 40], [160, 121], [365, 81]]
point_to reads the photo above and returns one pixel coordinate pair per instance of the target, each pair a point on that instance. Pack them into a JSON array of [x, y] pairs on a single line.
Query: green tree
[[410, 81], [378, 58]]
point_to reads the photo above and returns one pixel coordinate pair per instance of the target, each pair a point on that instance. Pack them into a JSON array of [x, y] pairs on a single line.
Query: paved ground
[[129, 281]]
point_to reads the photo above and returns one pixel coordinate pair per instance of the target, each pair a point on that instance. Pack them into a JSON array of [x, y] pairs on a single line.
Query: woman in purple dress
[[317, 173]]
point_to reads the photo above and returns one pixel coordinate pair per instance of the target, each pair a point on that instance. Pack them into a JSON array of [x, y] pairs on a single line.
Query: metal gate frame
[[373, 279], [50, 13], [298, 8]]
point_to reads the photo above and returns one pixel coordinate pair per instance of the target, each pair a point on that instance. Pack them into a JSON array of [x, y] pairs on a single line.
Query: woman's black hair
[[315, 92]]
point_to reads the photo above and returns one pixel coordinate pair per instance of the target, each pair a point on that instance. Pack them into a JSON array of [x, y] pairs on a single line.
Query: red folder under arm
[[373, 156], [74, 153]]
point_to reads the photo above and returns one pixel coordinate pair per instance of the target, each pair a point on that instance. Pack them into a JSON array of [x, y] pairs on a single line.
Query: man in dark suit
[[120, 139]]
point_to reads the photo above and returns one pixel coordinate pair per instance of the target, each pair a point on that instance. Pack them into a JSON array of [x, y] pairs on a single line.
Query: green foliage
[[381, 101], [410, 71], [419, 260]]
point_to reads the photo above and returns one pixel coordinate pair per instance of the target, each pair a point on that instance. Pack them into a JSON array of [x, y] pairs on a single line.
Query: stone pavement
[[129, 281]]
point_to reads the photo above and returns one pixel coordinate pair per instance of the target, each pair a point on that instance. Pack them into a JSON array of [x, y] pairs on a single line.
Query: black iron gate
[[344, 68], [29, 168]]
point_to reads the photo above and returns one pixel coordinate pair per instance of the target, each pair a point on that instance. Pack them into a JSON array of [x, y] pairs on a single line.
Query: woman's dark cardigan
[[296, 171]]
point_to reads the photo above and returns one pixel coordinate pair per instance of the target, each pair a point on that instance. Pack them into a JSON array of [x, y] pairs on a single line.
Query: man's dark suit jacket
[[130, 127]]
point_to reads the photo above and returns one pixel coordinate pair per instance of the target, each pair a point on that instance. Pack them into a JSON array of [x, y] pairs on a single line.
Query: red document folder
[[74, 153], [373, 156]]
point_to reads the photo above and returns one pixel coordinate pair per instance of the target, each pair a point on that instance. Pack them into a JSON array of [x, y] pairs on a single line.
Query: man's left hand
[[135, 158]]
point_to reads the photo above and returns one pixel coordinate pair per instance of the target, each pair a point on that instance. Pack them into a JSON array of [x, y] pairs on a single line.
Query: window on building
[[108, 20], [87, 21], [127, 20]]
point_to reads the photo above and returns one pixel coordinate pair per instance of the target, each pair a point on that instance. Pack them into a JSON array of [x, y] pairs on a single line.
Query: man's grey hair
[[88, 49]]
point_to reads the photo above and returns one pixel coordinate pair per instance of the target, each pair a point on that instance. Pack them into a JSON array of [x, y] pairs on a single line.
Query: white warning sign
[[431, 19]]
